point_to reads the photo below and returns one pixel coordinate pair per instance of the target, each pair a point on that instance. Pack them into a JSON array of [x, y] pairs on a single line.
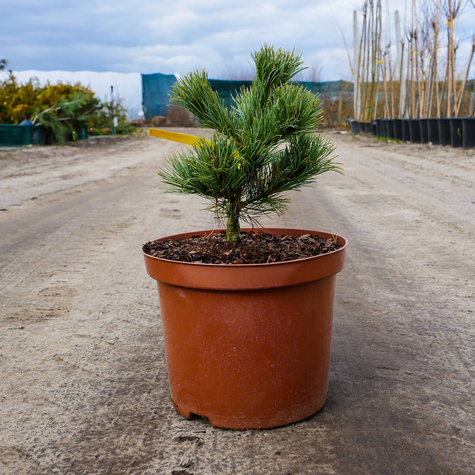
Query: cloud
[[180, 35]]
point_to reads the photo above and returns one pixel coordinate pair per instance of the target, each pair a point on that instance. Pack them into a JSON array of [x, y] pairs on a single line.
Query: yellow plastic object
[[175, 136], [184, 138]]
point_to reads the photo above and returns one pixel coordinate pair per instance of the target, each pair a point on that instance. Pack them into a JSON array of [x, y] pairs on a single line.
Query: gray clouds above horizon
[[175, 36]]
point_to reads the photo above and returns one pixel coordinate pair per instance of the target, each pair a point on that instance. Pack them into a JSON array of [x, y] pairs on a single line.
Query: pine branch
[[274, 69], [194, 93], [298, 165]]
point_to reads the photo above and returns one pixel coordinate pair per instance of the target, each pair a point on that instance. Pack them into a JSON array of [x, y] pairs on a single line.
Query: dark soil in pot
[[255, 248]]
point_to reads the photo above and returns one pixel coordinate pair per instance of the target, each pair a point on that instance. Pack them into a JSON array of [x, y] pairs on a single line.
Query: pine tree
[[263, 146]]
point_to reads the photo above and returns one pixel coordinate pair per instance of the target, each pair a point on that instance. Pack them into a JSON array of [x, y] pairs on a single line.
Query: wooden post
[[400, 65], [459, 98], [356, 69], [438, 91]]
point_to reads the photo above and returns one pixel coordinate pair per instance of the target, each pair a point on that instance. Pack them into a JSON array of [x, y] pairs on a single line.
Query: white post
[[356, 68], [400, 64]]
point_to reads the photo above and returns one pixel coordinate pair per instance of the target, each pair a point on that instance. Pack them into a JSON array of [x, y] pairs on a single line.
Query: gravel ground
[[83, 384]]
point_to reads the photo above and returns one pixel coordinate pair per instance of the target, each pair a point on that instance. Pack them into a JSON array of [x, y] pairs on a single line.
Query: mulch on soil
[[255, 248]]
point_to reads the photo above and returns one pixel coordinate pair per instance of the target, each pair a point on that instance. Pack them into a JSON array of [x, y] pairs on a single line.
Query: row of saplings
[[456, 132], [248, 341]]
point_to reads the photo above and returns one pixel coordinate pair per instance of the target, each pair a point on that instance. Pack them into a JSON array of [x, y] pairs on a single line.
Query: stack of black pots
[[457, 132], [360, 127]]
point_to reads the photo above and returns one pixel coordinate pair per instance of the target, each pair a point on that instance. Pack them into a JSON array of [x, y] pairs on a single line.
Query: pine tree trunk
[[233, 229]]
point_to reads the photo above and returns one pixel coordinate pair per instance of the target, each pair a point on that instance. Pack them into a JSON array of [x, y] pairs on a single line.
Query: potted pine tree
[[247, 313]]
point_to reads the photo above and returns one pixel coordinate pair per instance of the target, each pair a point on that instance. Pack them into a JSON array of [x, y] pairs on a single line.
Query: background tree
[[70, 114], [103, 122], [60, 108]]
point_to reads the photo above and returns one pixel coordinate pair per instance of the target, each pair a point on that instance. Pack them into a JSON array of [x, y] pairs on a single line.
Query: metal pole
[[112, 108]]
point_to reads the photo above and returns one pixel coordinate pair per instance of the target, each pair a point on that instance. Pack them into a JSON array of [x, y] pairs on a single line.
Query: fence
[[20, 135], [156, 88]]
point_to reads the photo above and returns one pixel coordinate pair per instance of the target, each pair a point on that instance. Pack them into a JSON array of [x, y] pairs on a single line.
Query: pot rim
[[247, 276], [296, 231]]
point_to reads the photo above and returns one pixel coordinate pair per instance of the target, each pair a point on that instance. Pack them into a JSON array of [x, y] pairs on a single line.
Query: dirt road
[[83, 385]]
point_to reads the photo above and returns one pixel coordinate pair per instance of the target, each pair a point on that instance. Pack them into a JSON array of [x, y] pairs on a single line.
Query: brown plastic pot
[[248, 345]]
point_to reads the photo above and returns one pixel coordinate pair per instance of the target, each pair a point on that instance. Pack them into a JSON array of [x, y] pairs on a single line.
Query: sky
[[178, 36]]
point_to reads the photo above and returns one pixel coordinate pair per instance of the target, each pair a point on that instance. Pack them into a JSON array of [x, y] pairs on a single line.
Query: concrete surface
[[83, 386]]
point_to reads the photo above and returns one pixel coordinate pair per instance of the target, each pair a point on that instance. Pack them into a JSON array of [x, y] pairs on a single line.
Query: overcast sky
[[176, 36]]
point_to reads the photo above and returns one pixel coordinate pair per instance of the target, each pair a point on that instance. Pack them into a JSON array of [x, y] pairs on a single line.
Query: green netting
[[228, 89], [328, 90], [18, 135], [331, 89], [156, 90]]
